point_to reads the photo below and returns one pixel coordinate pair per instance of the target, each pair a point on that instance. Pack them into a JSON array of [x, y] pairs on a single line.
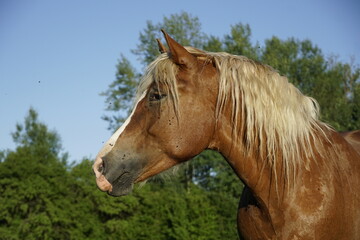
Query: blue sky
[[57, 56]]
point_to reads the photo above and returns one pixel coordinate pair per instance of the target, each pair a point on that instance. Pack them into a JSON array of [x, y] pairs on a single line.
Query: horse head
[[173, 120]]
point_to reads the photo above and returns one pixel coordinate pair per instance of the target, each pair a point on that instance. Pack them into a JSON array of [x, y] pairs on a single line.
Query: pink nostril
[[101, 167], [98, 167]]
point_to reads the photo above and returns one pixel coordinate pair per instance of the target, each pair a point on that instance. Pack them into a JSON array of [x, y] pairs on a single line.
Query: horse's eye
[[156, 96]]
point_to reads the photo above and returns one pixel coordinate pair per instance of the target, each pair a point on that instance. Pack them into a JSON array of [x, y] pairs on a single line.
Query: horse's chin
[[117, 192], [122, 186]]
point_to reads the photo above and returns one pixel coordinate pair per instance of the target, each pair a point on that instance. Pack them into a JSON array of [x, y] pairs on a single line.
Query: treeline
[[43, 196]]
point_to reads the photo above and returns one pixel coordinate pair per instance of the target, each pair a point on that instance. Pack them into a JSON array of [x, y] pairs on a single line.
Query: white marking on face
[[111, 142]]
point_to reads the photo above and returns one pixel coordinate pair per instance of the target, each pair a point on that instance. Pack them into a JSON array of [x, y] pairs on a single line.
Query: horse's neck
[[269, 184], [252, 170]]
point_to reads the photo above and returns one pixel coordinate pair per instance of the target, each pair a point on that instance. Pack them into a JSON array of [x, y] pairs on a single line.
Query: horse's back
[[352, 137]]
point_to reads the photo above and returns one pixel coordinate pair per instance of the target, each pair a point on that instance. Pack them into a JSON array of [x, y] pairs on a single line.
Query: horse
[[302, 178]]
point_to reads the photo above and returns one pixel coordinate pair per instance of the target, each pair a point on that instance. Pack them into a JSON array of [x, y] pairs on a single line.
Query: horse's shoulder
[[352, 137]]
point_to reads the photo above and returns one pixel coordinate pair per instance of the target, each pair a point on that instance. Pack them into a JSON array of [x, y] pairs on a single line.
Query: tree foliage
[[31, 189]]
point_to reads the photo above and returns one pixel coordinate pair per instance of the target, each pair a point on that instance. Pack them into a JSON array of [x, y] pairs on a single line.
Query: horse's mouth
[[122, 185]]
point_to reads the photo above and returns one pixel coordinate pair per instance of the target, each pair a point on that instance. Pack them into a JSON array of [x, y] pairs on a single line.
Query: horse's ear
[[178, 53], [162, 48]]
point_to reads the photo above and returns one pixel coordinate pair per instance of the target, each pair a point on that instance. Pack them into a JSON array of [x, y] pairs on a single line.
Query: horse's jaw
[[122, 186]]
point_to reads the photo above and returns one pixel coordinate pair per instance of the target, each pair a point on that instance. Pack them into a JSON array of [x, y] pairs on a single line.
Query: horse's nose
[[102, 183], [98, 166]]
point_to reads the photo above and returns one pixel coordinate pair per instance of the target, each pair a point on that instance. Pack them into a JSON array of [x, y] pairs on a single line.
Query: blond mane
[[276, 116]]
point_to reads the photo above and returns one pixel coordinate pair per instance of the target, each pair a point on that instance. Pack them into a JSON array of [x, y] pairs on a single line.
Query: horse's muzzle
[[114, 177]]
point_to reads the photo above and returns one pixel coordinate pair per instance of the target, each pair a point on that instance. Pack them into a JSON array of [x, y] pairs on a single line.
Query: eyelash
[[156, 96]]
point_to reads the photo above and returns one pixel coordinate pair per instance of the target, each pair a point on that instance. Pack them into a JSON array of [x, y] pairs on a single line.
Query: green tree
[[339, 98], [185, 28], [213, 44], [98, 215], [238, 42], [32, 185]]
